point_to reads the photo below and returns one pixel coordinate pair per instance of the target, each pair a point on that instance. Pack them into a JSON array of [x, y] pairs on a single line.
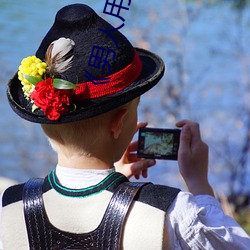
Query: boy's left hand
[[130, 165]]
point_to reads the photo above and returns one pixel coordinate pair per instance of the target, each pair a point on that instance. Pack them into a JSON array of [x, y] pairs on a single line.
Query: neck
[[100, 156], [72, 159], [84, 162]]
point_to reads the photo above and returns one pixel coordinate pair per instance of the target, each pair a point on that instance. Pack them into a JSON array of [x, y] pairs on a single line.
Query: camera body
[[155, 143]]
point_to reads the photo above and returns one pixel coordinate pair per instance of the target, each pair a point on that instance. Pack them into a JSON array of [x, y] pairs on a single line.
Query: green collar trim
[[105, 184]]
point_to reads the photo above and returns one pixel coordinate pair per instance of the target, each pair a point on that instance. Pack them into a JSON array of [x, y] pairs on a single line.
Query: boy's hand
[[193, 158], [130, 165]]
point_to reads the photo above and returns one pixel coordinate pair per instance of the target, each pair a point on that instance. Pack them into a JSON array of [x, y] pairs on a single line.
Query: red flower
[[52, 101]]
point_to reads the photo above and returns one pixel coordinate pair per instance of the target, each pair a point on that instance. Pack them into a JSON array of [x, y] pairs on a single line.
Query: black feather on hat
[[94, 76]]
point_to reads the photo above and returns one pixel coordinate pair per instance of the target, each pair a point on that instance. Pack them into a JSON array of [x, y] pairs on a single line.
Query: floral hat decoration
[[54, 87], [39, 81]]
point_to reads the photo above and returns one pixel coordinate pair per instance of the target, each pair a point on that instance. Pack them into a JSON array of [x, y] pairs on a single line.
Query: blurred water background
[[205, 45]]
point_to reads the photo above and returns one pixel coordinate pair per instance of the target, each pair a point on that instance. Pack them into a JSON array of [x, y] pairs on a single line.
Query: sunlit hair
[[81, 136]]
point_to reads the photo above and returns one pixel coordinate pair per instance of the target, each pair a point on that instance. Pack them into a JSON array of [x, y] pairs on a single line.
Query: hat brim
[[152, 72]]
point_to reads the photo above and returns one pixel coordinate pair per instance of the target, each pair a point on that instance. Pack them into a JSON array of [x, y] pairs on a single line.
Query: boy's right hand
[[193, 158]]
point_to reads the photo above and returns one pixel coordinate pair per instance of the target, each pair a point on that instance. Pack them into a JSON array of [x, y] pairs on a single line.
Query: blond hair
[[80, 136]]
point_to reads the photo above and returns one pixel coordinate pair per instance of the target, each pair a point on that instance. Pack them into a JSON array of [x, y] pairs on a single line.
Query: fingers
[[145, 173], [130, 152], [132, 146], [141, 125], [133, 158], [194, 128], [141, 167], [190, 140], [137, 168], [185, 140], [142, 164]]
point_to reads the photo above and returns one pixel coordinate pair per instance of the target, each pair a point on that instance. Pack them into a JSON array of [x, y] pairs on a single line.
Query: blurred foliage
[[238, 4], [243, 218]]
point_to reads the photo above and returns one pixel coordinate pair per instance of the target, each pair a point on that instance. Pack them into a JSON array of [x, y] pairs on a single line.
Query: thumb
[[185, 139]]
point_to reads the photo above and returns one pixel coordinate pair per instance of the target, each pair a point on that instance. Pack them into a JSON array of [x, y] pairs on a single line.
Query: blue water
[[207, 79]]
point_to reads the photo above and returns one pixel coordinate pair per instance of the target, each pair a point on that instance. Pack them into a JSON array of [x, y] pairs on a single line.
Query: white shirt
[[192, 222]]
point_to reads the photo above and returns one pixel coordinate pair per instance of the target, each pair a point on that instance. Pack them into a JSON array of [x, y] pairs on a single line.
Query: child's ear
[[117, 122]]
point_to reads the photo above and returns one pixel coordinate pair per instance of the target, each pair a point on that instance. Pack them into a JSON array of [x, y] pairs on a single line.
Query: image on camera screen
[[158, 143]]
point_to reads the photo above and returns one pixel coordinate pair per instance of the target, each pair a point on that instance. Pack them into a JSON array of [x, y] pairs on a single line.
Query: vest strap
[[38, 233], [113, 220], [44, 236]]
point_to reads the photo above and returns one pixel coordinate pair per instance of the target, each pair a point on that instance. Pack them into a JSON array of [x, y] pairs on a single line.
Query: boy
[[84, 203]]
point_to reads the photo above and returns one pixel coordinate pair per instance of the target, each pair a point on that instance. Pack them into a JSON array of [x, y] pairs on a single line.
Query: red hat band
[[117, 82]]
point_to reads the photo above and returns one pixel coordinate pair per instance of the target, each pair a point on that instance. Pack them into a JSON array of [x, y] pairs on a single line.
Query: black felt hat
[[107, 69]]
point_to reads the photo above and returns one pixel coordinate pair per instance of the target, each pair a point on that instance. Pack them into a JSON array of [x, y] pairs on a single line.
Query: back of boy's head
[[80, 136], [85, 135]]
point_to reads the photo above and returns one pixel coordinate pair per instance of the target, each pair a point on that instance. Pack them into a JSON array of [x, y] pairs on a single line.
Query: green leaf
[[74, 108], [32, 79], [34, 108], [63, 84]]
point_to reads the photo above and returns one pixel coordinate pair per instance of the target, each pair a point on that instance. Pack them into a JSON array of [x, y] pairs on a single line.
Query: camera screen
[[158, 143]]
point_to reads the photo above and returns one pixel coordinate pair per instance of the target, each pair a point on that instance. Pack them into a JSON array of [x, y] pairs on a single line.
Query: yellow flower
[[31, 66]]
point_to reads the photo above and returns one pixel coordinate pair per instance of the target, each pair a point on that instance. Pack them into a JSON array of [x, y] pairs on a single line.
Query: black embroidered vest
[[43, 235]]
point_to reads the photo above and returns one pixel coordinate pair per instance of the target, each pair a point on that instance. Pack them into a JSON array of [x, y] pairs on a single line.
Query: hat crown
[[76, 13], [81, 24]]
